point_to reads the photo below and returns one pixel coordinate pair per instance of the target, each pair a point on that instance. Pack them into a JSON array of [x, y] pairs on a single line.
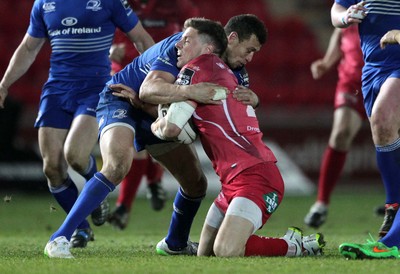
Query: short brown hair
[[210, 30]]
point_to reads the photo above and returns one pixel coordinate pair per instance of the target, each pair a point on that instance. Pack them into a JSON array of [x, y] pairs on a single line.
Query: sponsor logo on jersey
[[94, 5], [185, 78], [272, 202], [250, 128], [69, 21], [165, 60], [49, 7], [120, 114]]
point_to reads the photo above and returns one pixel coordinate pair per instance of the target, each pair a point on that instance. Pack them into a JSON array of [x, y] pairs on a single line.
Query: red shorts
[[262, 184], [349, 94]]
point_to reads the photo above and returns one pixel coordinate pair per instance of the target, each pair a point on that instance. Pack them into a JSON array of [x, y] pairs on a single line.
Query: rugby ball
[[188, 134]]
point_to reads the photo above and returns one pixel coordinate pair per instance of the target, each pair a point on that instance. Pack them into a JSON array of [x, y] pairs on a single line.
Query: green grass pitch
[[28, 220]]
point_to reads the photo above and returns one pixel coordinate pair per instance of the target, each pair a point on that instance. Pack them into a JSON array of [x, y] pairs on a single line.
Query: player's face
[[190, 46], [238, 53]]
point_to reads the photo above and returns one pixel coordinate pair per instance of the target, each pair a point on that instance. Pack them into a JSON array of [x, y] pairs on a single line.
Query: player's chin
[[180, 63]]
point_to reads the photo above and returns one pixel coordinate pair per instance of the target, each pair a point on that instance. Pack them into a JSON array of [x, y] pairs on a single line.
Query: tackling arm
[[158, 88]]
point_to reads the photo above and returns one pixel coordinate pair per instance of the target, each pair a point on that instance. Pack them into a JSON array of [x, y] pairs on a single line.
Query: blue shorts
[[62, 101], [113, 110], [373, 79]]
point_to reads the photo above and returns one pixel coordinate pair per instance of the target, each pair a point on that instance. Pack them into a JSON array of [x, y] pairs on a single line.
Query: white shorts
[[241, 207]]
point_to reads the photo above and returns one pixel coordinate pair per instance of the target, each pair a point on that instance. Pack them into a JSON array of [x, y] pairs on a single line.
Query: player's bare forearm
[[342, 17], [157, 91]]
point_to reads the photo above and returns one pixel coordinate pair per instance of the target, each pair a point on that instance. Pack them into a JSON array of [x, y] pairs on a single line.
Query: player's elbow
[[143, 94]]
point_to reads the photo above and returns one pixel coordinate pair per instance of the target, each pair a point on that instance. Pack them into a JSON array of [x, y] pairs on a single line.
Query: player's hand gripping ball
[[188, 133]]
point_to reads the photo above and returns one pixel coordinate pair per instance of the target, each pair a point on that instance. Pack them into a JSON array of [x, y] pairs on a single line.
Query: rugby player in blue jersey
[[124, 127], [80, 34], [380, 88]]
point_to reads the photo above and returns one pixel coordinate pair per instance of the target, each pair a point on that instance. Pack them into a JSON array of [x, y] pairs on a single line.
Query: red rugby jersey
[[230, 133]]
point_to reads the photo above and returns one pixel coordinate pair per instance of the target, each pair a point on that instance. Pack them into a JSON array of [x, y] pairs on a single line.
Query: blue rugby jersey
[[382, 16], [80, 34], [162, 56]]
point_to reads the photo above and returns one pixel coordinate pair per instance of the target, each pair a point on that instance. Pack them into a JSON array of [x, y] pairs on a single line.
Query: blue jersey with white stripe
[[80, 33], [382, 16], [161, 56], [112, 109], [380, 64]]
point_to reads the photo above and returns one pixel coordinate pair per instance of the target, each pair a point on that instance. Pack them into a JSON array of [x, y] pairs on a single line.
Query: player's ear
[[233, 36]]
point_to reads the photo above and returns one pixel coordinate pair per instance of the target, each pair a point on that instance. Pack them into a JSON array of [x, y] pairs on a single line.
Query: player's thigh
[[386, 111], [183, 163]]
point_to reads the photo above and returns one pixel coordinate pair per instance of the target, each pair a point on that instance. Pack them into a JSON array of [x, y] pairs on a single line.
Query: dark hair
[[210, 31], [245, 25]]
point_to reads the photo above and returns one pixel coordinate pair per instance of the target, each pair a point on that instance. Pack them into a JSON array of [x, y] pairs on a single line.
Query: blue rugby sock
[[388, 159], [91, 169], [392, 238], [185, 209], [66, 195], [93, 193]]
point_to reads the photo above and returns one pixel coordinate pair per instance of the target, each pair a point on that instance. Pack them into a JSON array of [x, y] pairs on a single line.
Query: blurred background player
[[349, 113], [80, 34], [161, 19]]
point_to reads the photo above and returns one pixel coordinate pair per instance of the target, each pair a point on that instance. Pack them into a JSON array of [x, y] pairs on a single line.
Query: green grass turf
[[27, 221]]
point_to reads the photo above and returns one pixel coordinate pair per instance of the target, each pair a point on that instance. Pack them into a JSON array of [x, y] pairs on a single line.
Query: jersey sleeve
[[123, 16], [167, 60], [37, 27], [346, 3]]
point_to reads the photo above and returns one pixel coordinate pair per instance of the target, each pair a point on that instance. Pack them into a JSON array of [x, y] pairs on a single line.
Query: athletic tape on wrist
[[220, 94], [179, 113]]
